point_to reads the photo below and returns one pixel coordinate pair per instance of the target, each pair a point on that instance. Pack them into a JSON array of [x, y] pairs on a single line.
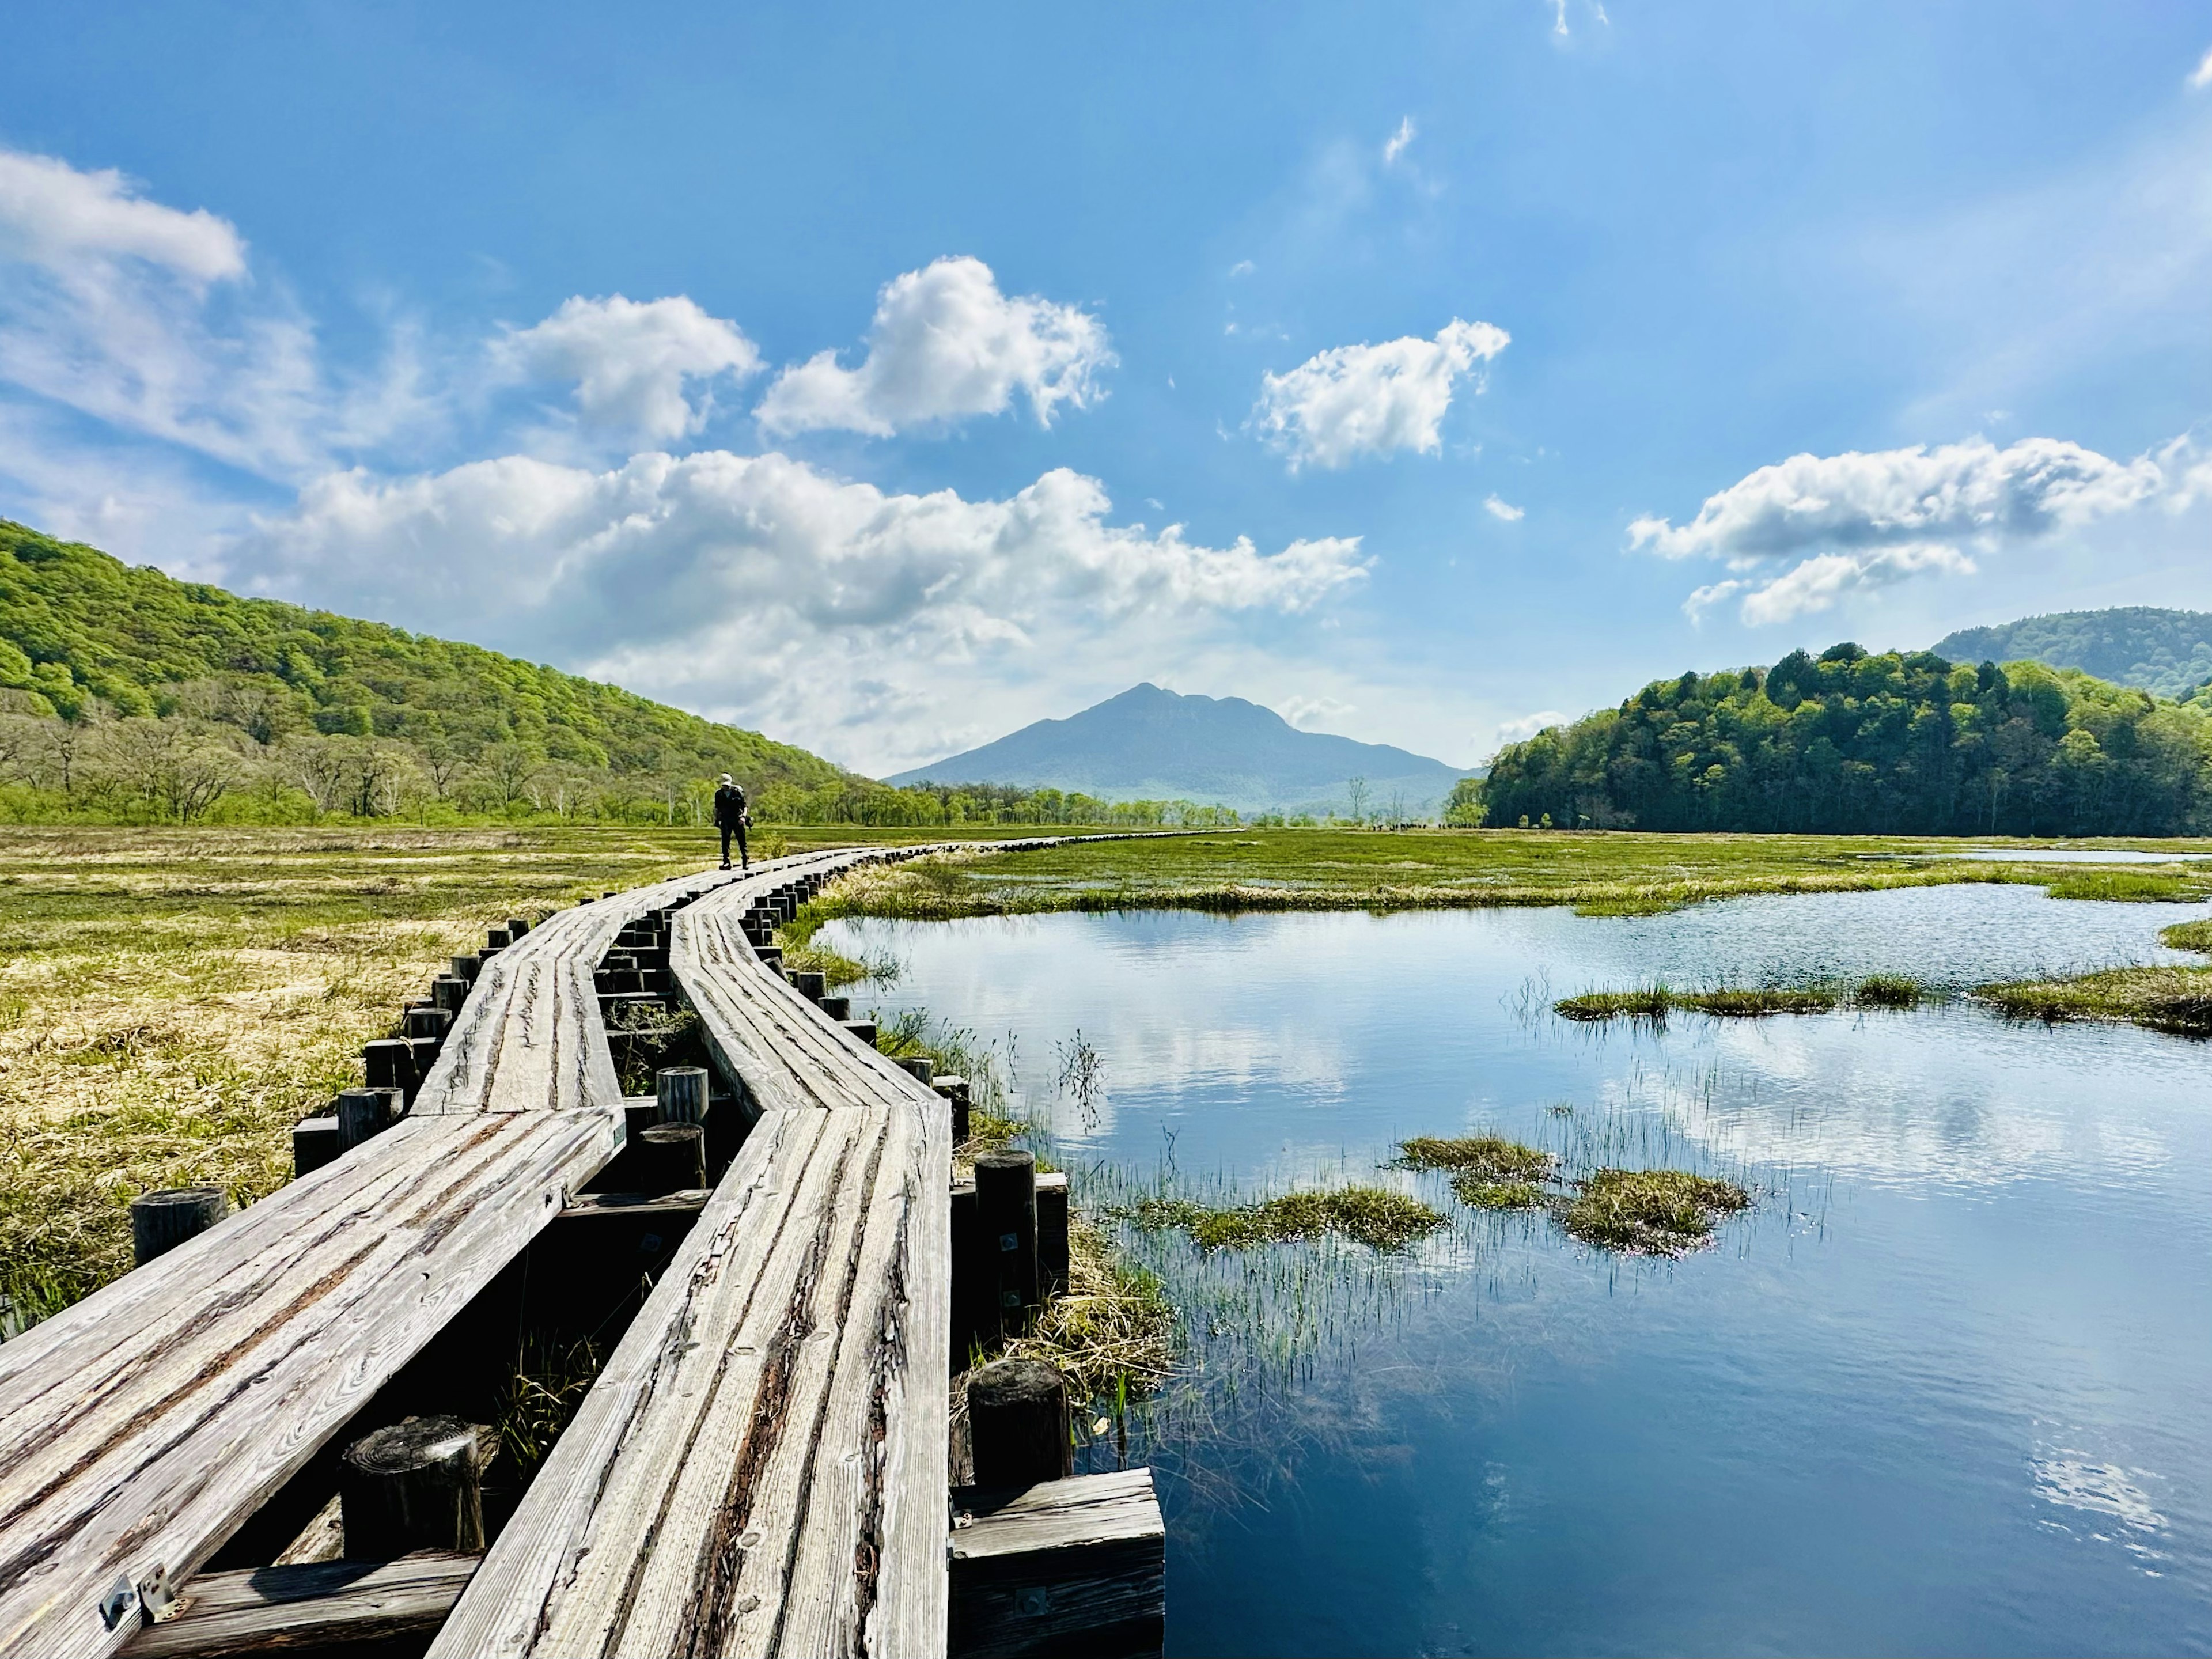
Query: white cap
[[727, 778]]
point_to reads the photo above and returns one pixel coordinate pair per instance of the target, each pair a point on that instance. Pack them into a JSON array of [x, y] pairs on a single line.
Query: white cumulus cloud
[[1358, 400], [1314, 714], [765, 587], [632, 360], [945, 344], [2201, 76], [1504, 511], [1842, 523], [1526, 726], [1395, 146]]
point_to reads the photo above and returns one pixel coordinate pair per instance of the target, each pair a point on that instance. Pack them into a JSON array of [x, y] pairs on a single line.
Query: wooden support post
[[314, 1143], [974, 1280], [837, 1008], [811, 986], [516, 927], [415, 1486], [389, 1063], [362, 1113], [426, 1055], [771, 957], [670, 1157], [497, 939], [465, 968], [1051, 1237], [920, 1067], [862, 1031], [448, 992], [1070, 1566], [954, 1090], [682, 1092], [161, 1221], [427, 1022], [1006, 1211], [1018, 1423]]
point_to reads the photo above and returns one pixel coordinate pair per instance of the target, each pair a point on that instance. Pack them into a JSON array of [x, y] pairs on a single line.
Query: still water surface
[[1948, 1389]]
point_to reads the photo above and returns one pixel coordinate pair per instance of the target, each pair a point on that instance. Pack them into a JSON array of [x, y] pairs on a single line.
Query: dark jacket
[[729, 807]]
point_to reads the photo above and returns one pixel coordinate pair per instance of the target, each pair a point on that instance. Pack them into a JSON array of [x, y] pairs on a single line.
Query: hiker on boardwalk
[[731, 817]]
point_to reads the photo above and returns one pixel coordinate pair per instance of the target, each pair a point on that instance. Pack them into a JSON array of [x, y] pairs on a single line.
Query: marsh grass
[[1599, 873], [1889, 991], [2172, 999], [1484, 1192], [1373, 1216], [1484, 1157], [1113, 1332], [2135, 886], [1651, 1004], [1649, 1211], [173, 1001], [545, 1390]]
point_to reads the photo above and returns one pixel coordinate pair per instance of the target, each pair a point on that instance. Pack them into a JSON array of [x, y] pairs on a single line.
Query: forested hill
[[1852, 743], [2169, 652], [82, 633]]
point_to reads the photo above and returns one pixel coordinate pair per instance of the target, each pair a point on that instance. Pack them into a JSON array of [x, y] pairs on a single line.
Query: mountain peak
[[1148, 743]]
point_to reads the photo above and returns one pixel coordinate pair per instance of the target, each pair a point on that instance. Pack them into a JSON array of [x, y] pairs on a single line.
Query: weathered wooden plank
[[529, 1037], [322, 1607], [1075, 1566], [152, 1451]]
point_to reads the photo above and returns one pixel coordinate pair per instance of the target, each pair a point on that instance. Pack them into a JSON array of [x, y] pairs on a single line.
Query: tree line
[[1854, 743]]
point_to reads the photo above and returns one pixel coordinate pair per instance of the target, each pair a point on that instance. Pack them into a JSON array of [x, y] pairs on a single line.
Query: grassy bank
[[1607, 874]]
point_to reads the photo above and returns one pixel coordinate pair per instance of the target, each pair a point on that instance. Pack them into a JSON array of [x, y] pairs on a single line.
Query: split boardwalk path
[[759, 1468]]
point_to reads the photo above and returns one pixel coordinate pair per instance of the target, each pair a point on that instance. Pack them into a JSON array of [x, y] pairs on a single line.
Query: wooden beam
[[1075, 1566], [325, 1608]]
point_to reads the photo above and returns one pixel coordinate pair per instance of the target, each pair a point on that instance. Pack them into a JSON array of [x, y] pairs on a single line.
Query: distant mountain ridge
[[1150, 744], [2165, 652]]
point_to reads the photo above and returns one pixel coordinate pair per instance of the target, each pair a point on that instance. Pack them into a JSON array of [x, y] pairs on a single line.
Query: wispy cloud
[[1504, 511], [1395, 146], [2201, 76]]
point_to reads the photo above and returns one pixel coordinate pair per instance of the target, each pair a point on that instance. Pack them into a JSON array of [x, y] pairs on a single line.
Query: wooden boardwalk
[[760, 1467]]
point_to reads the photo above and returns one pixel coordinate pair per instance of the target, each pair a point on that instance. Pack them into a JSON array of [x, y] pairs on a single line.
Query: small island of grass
[[1373, 1216], [1489, 1172], [1651, 1212]]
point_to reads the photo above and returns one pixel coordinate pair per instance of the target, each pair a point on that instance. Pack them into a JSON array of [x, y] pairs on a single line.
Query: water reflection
[[1941, 1390]]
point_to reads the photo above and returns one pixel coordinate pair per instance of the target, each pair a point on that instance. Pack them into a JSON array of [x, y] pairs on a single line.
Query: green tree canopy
[[1856, 743]]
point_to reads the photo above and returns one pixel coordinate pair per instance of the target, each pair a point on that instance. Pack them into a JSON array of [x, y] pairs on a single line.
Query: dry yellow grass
[[171, 1001]]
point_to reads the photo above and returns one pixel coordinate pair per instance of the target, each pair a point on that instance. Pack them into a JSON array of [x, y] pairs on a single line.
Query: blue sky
[[885, 380]]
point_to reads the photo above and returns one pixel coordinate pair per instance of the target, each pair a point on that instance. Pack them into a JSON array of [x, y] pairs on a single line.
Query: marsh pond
[[1941, 1388]]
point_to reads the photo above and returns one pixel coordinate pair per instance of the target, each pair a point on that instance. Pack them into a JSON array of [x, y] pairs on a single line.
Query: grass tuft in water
[[1651, 1004], [1373, 1216], [1484, 1157], [1888, 991], [1480, 1193], [1651, 1212]]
